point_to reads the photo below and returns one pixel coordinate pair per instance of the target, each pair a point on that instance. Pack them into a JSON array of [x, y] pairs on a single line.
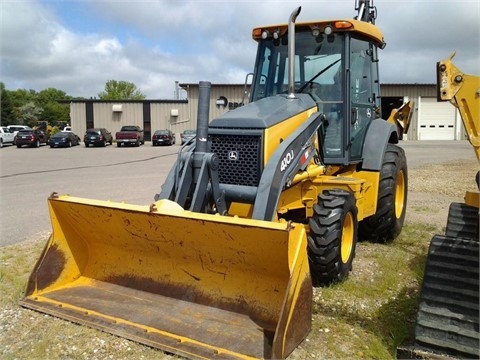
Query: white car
[[16, 128], [6, 136]]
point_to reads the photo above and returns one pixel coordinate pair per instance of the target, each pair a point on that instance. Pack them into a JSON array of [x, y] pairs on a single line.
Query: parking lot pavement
[[134, 175], [28, 176], [421, 153]]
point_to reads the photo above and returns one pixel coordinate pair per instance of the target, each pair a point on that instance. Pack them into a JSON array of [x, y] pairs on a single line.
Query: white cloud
[[155, 43]]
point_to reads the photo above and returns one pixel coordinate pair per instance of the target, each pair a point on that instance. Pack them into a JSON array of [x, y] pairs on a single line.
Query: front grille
[[239, 158]]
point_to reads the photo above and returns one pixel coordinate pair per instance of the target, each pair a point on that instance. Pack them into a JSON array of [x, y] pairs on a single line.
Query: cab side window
[[361, 94]]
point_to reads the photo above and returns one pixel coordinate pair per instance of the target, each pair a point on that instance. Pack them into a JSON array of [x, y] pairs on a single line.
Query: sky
[[78, 45]]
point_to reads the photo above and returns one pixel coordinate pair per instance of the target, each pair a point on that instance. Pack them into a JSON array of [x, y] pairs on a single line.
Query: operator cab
[[336, 63]]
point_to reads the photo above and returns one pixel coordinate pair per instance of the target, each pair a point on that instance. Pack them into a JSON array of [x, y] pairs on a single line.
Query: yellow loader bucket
[[198, 285]]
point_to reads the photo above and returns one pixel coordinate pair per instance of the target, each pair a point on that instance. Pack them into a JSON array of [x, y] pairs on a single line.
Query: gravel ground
[[431, 190]]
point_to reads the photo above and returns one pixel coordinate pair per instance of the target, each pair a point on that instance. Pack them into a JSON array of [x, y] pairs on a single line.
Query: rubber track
[[448, 315], [462, 221]]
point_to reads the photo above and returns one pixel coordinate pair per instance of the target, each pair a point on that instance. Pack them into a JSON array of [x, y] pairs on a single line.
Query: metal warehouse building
[[431, 120]]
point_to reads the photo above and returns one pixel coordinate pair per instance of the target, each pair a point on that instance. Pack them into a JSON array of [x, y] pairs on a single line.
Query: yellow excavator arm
[[401, 117], [463, 91]]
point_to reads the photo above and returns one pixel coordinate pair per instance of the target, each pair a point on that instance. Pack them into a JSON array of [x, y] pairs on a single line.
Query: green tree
[[29, 114], [7, 115], [21, 97], [55, 113], [121, 90], [50, 95]]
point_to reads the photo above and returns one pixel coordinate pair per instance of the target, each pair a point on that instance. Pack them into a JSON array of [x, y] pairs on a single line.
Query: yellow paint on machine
[[198, 285]]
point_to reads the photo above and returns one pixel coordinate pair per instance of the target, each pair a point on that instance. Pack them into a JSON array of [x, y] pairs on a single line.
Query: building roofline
[[157, 101]]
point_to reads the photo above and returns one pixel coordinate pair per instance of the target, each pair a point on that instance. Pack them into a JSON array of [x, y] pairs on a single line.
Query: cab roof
[[339, 25]]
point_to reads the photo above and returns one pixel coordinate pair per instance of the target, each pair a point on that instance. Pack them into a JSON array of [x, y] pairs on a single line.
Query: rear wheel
[[387, 222], [333, 237], [37, 143]]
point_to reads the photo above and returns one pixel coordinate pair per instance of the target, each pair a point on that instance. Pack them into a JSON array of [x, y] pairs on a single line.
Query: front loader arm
[[463, 91]]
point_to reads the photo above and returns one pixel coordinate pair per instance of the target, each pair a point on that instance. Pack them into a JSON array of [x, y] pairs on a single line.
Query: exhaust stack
[[291, 52]]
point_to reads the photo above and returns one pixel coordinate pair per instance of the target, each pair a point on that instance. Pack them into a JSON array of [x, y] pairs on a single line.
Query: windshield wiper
[[309, 82]]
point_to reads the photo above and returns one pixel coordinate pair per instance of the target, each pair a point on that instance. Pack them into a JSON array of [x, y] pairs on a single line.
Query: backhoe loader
[[448, 316], [265, 201]]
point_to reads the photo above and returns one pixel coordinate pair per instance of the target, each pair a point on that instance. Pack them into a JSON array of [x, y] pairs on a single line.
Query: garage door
[[436, 120]]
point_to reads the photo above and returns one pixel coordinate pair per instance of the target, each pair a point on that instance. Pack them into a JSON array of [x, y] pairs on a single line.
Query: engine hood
[[264, 113]]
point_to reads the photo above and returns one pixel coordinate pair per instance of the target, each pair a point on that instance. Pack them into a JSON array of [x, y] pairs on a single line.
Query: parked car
[[97, 136], [64, 139], [31, 138], [16, 128], [6, 136], [163, 137], [67, 128], [130, 135], [187, 135]]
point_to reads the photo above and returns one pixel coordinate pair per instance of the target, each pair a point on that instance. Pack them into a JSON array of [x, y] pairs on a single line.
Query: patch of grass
[[16, 264], [378, 302], [423, 209]]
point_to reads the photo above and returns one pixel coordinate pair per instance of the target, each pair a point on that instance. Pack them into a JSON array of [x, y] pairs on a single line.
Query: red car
[[32, 138]]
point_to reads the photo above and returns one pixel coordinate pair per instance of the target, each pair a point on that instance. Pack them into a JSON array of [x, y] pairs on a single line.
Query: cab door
[[363, 90]]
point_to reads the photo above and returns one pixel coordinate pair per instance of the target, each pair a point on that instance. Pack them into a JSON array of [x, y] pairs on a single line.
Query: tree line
[[29, 107]]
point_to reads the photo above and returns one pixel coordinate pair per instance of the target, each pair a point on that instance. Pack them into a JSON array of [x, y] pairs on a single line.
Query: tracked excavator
[[267, 200], [447, 324]]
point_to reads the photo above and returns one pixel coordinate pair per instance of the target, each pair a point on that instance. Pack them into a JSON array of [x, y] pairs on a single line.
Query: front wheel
[[388, 220], [333, 237]]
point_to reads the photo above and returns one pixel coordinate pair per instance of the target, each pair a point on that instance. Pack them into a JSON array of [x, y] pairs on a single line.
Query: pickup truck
[[129, 135], [6, 136]]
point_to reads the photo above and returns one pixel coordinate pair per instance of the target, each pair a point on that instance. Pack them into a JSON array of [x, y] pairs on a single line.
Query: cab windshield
[[318, 64]]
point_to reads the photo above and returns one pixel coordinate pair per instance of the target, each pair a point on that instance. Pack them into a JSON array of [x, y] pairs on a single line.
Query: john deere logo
[[233, 155]]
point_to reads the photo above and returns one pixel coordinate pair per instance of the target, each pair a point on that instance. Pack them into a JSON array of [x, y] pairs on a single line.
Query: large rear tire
[[333, 237], [388, 220]]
